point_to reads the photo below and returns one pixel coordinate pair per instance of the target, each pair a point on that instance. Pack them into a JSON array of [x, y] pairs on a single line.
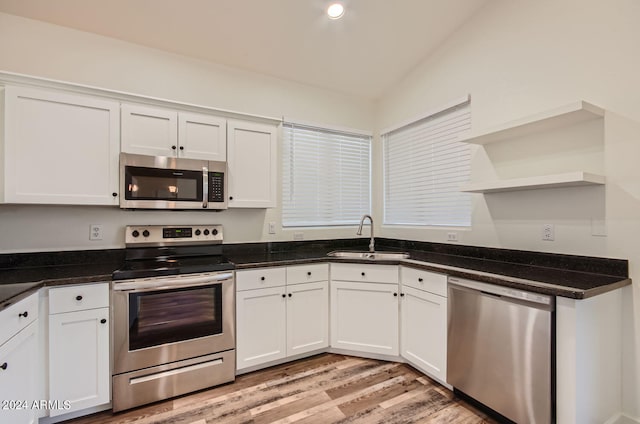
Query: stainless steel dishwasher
[[500, 349]]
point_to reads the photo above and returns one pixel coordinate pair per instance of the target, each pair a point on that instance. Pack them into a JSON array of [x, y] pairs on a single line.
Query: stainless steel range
[[173, 314]]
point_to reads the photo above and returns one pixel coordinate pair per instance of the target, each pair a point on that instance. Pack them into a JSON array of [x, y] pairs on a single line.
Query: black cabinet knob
[[395, 294], [78, 298], [24, 314], [230, 197], [4, 366], [420, 280], [261, 278], [289, 294], [103, 321], [363, 274], [174, 147], [401, 294], [284, 295], [309, 273], [114, 194], [181, 147]]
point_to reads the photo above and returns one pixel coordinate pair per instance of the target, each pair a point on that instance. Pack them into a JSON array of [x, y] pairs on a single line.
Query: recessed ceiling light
[[335, 11]]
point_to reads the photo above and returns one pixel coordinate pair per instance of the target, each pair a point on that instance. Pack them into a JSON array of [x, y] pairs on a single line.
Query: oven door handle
[[171, 283]]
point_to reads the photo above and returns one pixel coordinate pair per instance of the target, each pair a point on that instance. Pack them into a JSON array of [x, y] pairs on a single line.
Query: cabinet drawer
[[431, 282], [365, 273], [18, 316], [307, 273], [78, 298], [259, 278]]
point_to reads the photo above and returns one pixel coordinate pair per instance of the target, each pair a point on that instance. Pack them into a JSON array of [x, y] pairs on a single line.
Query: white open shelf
[[569, 179], [559, 117]]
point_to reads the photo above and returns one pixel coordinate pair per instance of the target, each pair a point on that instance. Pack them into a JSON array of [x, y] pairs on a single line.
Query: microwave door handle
[[205, 187]]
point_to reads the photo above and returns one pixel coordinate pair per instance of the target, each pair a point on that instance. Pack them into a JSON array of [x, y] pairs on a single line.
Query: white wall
[[49, 51], [521, 57]]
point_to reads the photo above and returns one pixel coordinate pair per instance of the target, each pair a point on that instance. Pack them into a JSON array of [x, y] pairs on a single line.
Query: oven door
[[166, 319]]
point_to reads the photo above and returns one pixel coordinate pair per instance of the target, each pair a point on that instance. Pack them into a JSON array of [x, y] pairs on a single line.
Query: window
[[326, 176], [424, 167]]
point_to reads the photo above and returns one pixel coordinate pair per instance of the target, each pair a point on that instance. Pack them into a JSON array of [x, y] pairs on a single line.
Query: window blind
[[424, 167], [326, 176]]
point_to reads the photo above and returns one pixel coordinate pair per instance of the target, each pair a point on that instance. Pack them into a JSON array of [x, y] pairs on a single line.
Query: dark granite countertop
[[23, 273], [576, 277]]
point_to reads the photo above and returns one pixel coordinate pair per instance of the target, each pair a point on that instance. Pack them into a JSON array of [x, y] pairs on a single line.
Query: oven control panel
[[164, 235]]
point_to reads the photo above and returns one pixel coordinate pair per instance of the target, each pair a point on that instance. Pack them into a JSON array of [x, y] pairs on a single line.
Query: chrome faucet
[[371, 242]]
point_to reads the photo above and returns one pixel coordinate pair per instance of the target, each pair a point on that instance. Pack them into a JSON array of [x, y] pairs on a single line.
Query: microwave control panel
[[216, 187]]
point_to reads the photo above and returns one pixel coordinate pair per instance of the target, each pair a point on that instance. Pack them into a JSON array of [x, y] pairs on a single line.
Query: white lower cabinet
[[307, 317], [261, 320], [79, 373], [424, 321], [18, 363], [364, 311], [276, 319]]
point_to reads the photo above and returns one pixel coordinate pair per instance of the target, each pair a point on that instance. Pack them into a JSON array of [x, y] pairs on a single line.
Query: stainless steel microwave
[[159, 182]]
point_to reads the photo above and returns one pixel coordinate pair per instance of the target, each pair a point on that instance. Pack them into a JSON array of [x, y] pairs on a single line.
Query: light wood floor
[[323, 389]]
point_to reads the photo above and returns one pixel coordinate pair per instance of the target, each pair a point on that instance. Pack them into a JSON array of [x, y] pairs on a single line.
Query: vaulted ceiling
[[365, 53]]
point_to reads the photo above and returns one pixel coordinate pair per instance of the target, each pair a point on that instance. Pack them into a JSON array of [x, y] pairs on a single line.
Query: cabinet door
[[79, 359], [149, 131], [261, 322], [424, 331], [307, 317], [60, 148], [18, 367], [252, 161], [364, 317], [202, 137]]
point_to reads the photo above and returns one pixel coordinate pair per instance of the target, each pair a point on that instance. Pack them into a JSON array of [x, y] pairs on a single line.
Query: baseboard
[[622, 419], [75, 414]]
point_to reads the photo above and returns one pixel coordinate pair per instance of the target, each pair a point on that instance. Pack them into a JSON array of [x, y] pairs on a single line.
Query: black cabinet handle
[[363, 274], [103, 321], [230, 197], [395, 294], [289, 294], [261, 278], [174, 147], [24, 314], [181, 147], [401, 294], [4, 366], [114, 194], [284, 295], [420, 280], [309, 273], [78, 298]]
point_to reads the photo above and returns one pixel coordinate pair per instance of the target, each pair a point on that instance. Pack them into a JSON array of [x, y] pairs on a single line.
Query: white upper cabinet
[[202, 136], [252, 164], [165, 132], [59, 148], [149, 131]]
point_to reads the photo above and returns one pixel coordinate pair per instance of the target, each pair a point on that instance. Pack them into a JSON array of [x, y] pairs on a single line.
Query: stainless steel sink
[[380, 256]]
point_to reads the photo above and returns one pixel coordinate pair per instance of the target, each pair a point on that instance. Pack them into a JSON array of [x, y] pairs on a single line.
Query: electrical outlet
[[95, 232], [452, 236], [272, 227], [298, 236], [548, 232]]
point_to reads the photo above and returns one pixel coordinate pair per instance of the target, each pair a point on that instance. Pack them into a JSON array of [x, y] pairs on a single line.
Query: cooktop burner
[[157, 250]]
